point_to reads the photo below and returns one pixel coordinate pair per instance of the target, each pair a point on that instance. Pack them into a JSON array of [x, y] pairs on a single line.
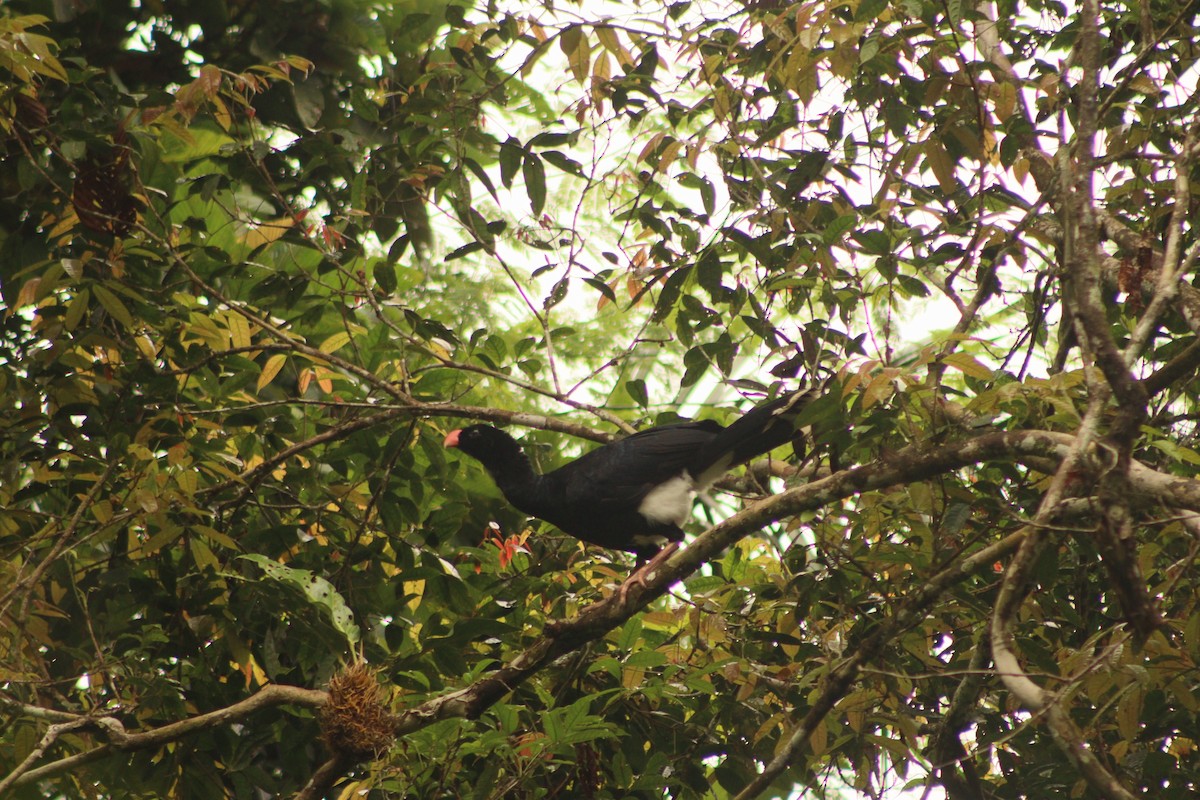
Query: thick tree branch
[[1014, 585], [1083, 281], [905, 466], [120, 741], [1083, 236], [908, 465], [1184, 298]]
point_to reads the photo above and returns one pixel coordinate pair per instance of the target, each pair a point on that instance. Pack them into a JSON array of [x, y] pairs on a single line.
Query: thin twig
[[60, 544]]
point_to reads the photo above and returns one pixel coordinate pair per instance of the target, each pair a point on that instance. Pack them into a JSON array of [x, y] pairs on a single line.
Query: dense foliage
[[257, 258]]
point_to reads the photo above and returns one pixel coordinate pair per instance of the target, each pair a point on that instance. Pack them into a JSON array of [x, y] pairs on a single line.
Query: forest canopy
[[259, 259]]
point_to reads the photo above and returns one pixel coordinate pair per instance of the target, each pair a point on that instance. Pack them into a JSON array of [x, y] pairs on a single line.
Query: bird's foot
[[644, 572]]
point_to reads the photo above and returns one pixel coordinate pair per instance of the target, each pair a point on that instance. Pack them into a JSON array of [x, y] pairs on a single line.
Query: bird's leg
[[641, 573]]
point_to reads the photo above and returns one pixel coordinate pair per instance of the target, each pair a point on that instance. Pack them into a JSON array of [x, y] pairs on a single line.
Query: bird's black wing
[[620, 474]]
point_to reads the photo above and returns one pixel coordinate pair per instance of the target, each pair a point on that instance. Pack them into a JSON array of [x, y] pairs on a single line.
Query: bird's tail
[[760, 430]]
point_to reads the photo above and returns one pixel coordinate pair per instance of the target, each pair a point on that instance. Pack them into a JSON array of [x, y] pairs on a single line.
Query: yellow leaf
[[416, 589], [203, 328], [268, 231], [1004, 100], [221, 114], [712, 65], [271, 369], [239, 329], [51, 68], [939, 162], [602, 67], [64, 226], [102, 511], [28, 293], [651, 146], [774, 721], [147, 500], [74, 266], [160, 540], [23, 22], [879, 389], [721, 102], [1021, 169], [578, 52], [144, 345], [354, 789], [1145, 84], [1129, 714], [335, 342], [300, 63], [186, 479], [216, 536], [608, 38], [969, 365], [202, 555], [177, 456], [51, 279], [819, 741], [42, 62], [668, 155]]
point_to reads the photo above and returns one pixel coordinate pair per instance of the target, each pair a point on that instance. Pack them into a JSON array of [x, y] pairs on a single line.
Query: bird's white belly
[[669, 502]]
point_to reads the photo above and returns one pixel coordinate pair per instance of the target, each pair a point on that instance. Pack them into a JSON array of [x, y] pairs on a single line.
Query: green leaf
[[384, 273], [535, 182], [483, 177], [317, 590], [564, 163], [636, 389], [465, 250], [552, 139], [511, 156], [669, 295], [113, 305], [558, 293], [603, 288]]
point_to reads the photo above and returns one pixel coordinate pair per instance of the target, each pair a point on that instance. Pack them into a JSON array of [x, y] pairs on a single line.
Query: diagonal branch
[[904, 466], [841, 678], [1175, 263]]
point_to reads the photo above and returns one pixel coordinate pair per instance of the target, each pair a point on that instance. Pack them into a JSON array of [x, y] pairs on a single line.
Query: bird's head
[[482, 441]]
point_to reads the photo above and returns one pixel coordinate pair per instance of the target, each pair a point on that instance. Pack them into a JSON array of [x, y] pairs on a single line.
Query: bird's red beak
[[451, 439]]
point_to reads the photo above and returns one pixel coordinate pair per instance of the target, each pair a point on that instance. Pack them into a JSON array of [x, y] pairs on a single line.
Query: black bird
[[634, 494]]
